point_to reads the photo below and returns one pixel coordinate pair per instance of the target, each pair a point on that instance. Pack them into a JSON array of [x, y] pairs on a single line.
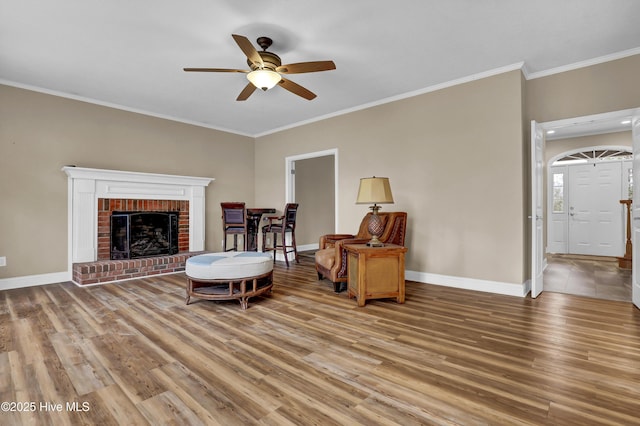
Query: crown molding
[[522, 66], [118, 107], [435, 87], [584, 64]]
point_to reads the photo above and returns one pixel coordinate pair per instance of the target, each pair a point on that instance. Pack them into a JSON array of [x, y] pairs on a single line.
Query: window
[[630, 183], [558, 192], [592, 155]]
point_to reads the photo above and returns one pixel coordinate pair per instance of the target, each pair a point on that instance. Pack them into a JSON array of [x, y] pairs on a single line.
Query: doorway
[[312, 182], [580, 125]]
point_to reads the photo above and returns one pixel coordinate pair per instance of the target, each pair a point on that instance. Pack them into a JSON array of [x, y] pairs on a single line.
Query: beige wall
[[315, 196], [611, 86], [41, 133], [454, 159], [458, 160]]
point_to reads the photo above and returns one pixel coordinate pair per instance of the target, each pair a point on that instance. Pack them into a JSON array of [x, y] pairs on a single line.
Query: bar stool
[[287, 224], [234, 222]]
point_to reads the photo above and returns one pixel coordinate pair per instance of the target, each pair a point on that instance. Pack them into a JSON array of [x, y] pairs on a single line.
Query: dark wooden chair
[[280, 225], [234, 222]]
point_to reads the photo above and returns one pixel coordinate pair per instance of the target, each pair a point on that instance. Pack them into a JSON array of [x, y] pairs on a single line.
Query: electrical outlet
[[3, 261]]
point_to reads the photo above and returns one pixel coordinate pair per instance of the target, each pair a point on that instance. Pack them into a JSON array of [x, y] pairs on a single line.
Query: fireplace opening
[[143, 234]]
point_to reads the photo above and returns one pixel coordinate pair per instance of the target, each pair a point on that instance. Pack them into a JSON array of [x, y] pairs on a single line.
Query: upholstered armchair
[[331, 258]]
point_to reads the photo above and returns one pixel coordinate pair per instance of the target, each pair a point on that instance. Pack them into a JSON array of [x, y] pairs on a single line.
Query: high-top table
[[253, 225]]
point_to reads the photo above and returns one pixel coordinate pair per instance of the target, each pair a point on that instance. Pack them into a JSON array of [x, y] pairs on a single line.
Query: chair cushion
[[234, 230], [276, 227], [326, 257]]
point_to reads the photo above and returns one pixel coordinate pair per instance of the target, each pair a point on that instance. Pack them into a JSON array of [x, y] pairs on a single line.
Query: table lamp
[[375, 190]]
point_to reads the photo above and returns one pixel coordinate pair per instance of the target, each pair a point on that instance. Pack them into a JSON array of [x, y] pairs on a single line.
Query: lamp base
[[376, 227]]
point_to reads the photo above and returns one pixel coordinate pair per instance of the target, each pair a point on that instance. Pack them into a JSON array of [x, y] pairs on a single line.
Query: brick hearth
[[103, 271]]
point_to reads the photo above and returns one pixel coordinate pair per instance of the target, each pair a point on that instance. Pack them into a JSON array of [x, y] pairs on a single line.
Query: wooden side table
[[375, 272]]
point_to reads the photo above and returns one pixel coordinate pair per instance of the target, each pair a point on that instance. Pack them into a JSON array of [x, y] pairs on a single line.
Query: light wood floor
[[134, 353]]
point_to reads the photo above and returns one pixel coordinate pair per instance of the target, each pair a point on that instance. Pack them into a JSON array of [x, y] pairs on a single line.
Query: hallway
[[590, 276]]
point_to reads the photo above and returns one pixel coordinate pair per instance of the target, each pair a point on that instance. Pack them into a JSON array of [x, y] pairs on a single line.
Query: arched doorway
[[584, 189], [586, 224]]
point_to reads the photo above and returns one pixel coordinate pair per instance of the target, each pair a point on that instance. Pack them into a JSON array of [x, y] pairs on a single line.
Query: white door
[[537, 249], [595, 213], [635, 288]]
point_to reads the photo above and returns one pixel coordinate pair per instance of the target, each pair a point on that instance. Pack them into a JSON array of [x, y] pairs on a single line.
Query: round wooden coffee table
[[229, 275]]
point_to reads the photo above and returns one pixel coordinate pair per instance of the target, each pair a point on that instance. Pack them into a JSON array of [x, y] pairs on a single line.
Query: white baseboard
[[34, 280], [306, 247], [57, 277], [507, 289], [127, 279]]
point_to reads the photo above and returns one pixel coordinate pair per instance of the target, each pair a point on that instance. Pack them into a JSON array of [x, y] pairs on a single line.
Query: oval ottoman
[[229, 275]]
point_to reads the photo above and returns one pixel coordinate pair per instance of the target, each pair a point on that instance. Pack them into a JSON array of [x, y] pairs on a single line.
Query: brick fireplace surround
[[106, 206], [94, 194], [105, 269]]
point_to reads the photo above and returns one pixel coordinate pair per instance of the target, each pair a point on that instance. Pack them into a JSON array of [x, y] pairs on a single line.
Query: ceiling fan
[[267, 69]]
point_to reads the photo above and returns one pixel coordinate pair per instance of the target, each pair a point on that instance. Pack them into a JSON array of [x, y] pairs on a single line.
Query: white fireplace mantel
[[87, 185]]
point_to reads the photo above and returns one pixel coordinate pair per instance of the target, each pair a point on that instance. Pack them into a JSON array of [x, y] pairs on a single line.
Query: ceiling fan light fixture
[[264, 79], [266, 69]]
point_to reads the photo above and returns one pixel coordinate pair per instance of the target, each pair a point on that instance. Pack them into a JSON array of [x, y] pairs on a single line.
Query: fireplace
[[94, 194], [143, 234], [141, 210]]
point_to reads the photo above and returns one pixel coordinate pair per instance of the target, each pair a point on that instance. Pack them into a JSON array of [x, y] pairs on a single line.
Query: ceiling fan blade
[[214, 70], [248, 49], [301, 67], [246, 92], [296, 89]]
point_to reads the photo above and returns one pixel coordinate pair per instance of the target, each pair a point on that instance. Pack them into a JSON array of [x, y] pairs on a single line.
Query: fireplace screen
[[143, 234]]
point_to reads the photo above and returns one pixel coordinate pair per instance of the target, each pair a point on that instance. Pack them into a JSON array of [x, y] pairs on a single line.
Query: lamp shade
[[374, 190], [264, 79]]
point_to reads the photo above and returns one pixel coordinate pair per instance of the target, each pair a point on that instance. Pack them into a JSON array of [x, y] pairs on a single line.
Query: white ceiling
[[130, 54], [593, 125]]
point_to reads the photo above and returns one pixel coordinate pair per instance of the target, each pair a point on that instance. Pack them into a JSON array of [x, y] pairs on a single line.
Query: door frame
[[537, 212], [537, 249], [290, 181], [635, 227]]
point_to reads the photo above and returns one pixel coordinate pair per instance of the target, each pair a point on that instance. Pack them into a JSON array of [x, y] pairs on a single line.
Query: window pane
[[558, 179], [557, 206], [558, 192]]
